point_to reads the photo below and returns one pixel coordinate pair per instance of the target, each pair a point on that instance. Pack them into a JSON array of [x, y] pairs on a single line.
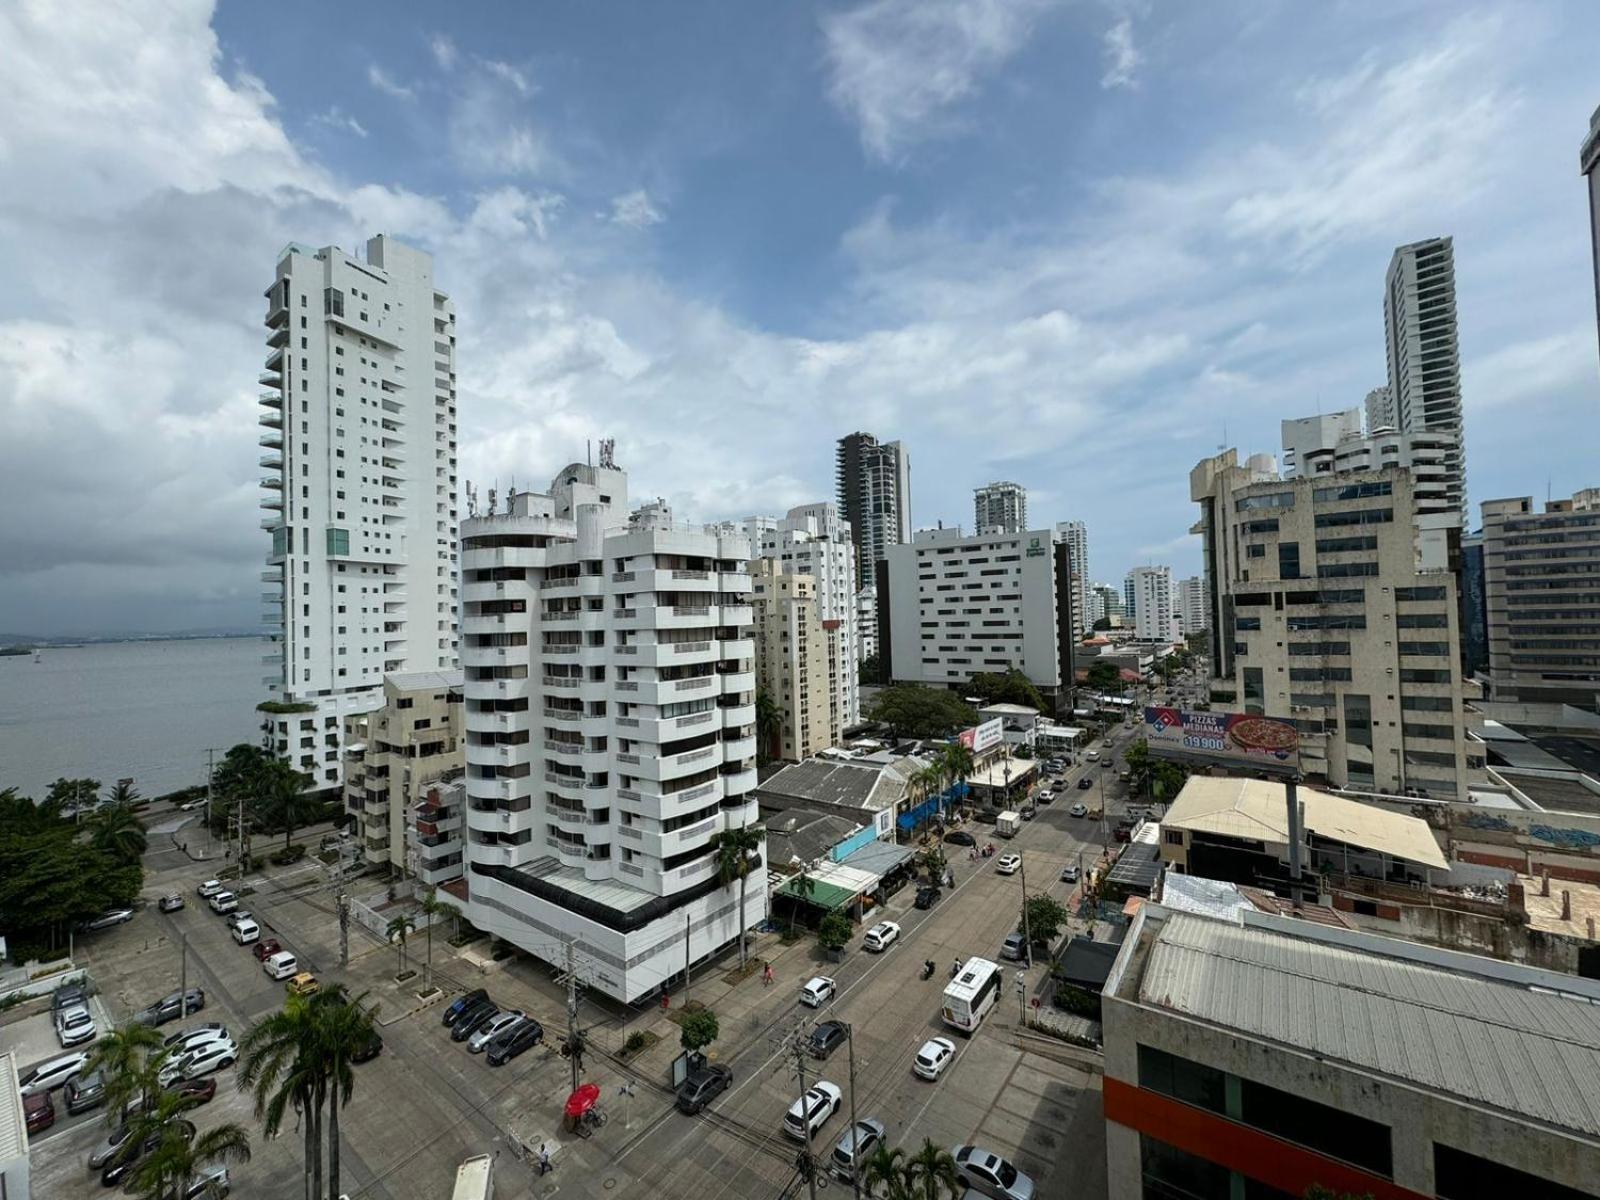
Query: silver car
[[857, 1145], [987, 1173], [492, 1028]]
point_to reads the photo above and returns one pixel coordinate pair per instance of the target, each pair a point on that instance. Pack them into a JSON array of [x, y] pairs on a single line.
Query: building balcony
[[271, 420], [274, 482], [506, 556], [665, 768], [500, 689], [271, 441], [272, 501], [737, 783], [498, 755], [270, 380], [272, 597], [274, 361], [573, 752], [567, 716], [271, 400], [491, 656], [739, 750], [271, 462], [736, 683], [497, 589]]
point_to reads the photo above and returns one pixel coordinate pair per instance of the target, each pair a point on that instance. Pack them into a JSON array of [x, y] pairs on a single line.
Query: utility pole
[[574, 1040], [344, 930], [803, 1160], [211, 771], [183, 975], [686, 930], [855, 1149], [1022, 999], [1027, 940]]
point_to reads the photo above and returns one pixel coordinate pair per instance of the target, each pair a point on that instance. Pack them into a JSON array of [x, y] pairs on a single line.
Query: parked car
[[200, 1060], [282, 965], [210, 1182], [129, 1155], [474, 1019], [245, 932], [266, 948], [513, 1042], [170, 903], [209, 889], [881, 936], [197, 1091], [83, 1092], [701, 1086], [811, 1112], [1047, 797], [1069, 873], [960, 837], [935, 1055], [990, 1175], [39, 1112], [457, 1006], [74, 1026], [1085, 784], [825, 1038], [52, 1073], [68, 996], [172, 1006], [1015, 947], [927, 895], [187, 1039], [303, 984], [493, 1028], [817, 991], [1008, 864], [369, 1050], [112, 916], [856, 1147], [223, 903], [238, 916]]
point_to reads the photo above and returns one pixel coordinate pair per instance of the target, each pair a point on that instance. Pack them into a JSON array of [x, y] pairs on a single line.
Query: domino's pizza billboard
[[1252, 742]]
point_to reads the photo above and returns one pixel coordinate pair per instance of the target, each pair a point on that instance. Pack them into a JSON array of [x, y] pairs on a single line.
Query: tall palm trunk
[[427, 970], [316, 1143], [333, 1142], [313, 1151], [743, 932]]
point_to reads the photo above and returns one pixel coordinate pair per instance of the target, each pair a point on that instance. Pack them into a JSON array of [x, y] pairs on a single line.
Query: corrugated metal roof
[[13, 1125], [1256, 810], [1485, 1040]]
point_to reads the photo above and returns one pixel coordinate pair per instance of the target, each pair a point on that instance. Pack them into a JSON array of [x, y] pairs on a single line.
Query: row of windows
[[1354, 491], [1359, 516], [1346, 570]]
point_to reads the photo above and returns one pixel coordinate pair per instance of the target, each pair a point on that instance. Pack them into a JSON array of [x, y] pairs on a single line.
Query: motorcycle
[[927, 968]]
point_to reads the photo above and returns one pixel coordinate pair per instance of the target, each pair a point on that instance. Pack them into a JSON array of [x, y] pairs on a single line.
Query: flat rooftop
[[1544, 912], [1515, 1039]]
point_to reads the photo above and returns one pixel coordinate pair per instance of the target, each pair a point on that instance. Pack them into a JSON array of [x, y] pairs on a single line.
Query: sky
[[1075, 244]]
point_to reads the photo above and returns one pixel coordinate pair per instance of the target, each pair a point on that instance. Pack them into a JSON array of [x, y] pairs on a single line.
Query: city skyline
[[632, 256]]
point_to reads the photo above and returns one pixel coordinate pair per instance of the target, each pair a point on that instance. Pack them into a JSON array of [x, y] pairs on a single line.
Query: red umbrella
[[582, 1100]]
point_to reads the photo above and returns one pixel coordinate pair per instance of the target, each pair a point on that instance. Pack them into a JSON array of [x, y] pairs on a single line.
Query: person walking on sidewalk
[[766, 974], [544, 1159]]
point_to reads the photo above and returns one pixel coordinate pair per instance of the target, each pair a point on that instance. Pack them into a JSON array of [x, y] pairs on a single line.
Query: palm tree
[[933, 861], [884, 1173], [281, 1064], [432, 908], [130, 1056], [281, 792], [397, 931], [931, 1169], [768, 721], [124, 794], [804, 888], [344, 1027], [734, 850], [119, 833], [174, 1166]]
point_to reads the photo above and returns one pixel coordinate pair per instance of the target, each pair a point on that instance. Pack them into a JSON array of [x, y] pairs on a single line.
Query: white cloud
[[337, 118], [1529, 373], [510, 74], [443, 51], [380, 79], [635, 209], [897, 67], [1121, 55]]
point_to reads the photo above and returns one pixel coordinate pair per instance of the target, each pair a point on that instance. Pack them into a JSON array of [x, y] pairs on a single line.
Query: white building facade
[[1075, 536], [960, 605], [359, 442], [1192, 604], [813, 540], [867, 620], [1154, 617], [610, 695], [1000, 507]]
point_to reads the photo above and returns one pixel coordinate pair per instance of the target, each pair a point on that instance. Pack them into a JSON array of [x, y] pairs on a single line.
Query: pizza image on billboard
[[1239, 737]]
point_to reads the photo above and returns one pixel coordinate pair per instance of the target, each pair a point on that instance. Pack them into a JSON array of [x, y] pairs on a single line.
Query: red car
[[40, 1111], [266, 947], [198, 1090]]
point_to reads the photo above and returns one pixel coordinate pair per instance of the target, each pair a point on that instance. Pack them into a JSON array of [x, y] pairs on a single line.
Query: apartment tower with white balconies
[[359, 439], [610, 695]]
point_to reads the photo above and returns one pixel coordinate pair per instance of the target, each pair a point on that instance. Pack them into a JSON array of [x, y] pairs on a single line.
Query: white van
[[282, 965], [246, 931]]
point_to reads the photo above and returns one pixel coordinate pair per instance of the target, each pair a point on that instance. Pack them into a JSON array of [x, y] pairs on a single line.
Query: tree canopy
[[1046, 915], [1155, 777], [1104, 675], [50, 878], [698, 1029], [1012, 687], [868, 670], [912, 710]]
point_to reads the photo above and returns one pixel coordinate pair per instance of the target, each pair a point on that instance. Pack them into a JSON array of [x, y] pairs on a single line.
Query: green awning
[[826, 896]]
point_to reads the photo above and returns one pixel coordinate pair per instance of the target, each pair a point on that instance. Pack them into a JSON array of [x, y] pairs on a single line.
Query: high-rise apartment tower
[[1000, 507], [874, 486]]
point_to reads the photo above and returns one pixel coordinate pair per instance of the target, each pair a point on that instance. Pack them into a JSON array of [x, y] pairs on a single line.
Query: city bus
[[971, 994]]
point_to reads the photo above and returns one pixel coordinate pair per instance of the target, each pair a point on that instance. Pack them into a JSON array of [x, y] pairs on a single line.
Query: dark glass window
[[1191, 1082], [1172, 1174], [1255, 551], [1320, 1127], [1288, 560], [1458, 1175], [1353, 491], [1418, 593]]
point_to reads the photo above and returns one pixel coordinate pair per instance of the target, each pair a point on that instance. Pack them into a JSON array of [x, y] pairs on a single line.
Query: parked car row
[[499, 1035]]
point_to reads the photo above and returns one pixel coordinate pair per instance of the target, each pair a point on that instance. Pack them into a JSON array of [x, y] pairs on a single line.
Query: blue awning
[[932, 807]]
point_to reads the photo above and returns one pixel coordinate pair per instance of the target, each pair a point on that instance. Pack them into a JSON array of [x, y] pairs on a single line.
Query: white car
[[52, 1073], [817, 991], [209, 889], [880, 936], [223, 903], [1079, 810], [990, 1175], [1009, 864], [495, 1025], [74, 1026], [933, 1058], [186, 1040], [246, 931], [202, 1060], [811, 1112]]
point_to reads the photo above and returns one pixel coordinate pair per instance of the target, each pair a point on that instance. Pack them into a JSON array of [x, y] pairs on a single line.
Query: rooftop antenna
[[588, 452]]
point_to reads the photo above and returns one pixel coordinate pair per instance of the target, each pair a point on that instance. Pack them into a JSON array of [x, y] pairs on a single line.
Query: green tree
[[1104, 676], [804, 888], [345, 1027], [697, 1030], [1151, 776], [1011, 687], [768, 723], [432, 908], [19, 814], [1101, 624], [117, 832], [69, 794], [124, 794], [398, 929], [914, 711], [868, 671], [738, 850], [130, 1056], [884, 1174], [833, 932], [932, 1170], [955, 763], [933, 861], [49, 881], [174, 1166], [280, 795], [1045, 916], [1199, 642]]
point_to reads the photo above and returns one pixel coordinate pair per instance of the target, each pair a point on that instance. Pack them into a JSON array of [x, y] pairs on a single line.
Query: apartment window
[[1343, 545], [1412, 594], [1426, 649], [1321, 1127], [1288, 560], [1359, 516], [1347, 570], [1358, 719], [1353, 491], [1255, 551], [1422, 621], [1172, 1174], [1458, 1175], [1270, 525], [1423, 675], [339, 542], [1191, 1082], [1270, 500]]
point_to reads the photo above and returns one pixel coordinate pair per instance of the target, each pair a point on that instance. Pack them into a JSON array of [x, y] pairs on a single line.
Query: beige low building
[[394, 752], [794, 652]]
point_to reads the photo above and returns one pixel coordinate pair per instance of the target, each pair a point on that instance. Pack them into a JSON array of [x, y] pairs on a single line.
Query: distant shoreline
[[12, 648]]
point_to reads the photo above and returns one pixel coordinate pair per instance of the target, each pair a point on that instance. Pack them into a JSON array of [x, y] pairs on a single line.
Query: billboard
[[984, 737], [1257, 743]]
